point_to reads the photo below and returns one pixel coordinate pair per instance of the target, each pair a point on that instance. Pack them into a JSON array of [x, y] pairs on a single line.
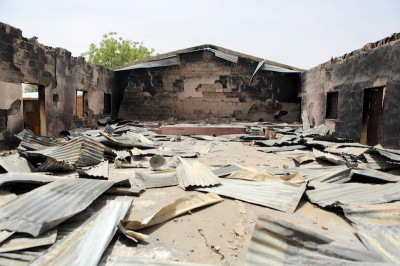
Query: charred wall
[[25, 60], [376, 65], [204, 86]]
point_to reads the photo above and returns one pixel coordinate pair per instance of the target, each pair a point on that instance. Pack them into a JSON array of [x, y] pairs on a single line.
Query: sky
[[298, 33]]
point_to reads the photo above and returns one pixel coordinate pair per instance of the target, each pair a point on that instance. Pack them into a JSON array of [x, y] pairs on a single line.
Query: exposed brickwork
[[204, 86]]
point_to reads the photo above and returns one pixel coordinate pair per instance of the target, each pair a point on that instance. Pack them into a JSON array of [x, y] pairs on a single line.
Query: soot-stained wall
[[59, 76], [203, 86], [376, 65]]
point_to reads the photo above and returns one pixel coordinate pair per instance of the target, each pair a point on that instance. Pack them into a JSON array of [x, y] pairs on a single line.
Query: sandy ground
[[227, 225]]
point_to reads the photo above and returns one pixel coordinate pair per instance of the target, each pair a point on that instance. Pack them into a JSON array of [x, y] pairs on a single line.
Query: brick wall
[[204, 86], [58, 73]]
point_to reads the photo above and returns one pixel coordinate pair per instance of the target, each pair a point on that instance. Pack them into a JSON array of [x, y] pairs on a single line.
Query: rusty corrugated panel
[[167, 179], [85, 246], [327, 194], [383, 239], [54, 165], [195, 173], [277, 242], [97, 171], [328, 157], [45, 207], [15, 164], [379, 214], [132, 260], [278, 195]]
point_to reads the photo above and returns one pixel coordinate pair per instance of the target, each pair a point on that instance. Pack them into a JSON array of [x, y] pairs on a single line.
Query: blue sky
[[298, 33]]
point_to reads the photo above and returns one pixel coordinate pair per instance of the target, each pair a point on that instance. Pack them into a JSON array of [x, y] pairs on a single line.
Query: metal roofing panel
[[97, 171], [284, 148], [268, 67], [32, 141], [15, 164], [352, 151], [228, 57], [317, 130], [194, 173], [163, 62], [385, 240], [201, 147], [227, 170], [54, 165], [45, 207], [28, 178], [327, 194], [86, 244], [379, 214], [378, 162], [335, 174], [328, 157], [375, 174], [167, 179], [277, 242], [19, 241], [389, 154], [282, 196], [183, 154]]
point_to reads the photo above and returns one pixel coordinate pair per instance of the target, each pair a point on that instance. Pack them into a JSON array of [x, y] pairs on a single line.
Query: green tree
[[114, 51], [30, 88]]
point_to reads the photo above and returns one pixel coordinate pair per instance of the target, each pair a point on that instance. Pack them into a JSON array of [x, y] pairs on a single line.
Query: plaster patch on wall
[[96, 101], [192, 82]]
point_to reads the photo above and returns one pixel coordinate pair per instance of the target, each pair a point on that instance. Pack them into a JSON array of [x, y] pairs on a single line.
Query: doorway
[[372, 119], [34, 108]]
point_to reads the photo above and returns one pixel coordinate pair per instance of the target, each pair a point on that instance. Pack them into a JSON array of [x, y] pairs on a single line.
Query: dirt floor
[[227, 226]]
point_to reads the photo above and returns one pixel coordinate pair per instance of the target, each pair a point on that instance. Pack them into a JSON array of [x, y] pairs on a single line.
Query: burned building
[[357, 95], [206, 82], [71, 93]]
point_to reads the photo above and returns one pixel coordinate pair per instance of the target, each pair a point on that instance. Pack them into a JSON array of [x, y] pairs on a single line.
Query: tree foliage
[[30, 88], [114, 51]]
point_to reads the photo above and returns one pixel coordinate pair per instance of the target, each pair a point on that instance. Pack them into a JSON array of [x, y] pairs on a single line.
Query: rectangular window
[[107, 103], [332, 105], [80, 103]]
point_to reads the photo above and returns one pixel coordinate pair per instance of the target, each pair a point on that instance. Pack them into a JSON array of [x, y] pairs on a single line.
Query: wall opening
[[81, 104], [332, 105], [372, 118], [33, 112], [107, 104]]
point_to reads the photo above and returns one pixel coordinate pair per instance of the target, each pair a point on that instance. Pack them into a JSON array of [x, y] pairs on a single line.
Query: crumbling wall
[[58, 73], [204, 86], [375, 65]]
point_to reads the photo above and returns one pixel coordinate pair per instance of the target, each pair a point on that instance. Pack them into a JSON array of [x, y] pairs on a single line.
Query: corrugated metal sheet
[[317, 130], [138, 137], [20, 242], [163, 62], [335, 174], [375, 174], [86, 244], [97, 171], [108, 129], [328, 157], [18, 258], [327, 194], [378, 162], [378, 214], [392, 155], [54, 165], [124, 142], [227, 170], [210, 138], [267, 67], [167, 179], [43, 208], [351, 151], [284, 148], [195, 173], [183, 154], [277, 242], [26, 178], [31, 141], [15, 164], [123, 261], [228, 57], [201, 147], [282, 196], [385, 240]]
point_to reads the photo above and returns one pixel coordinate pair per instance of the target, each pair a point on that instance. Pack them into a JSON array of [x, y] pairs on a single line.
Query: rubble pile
[[71, 200]]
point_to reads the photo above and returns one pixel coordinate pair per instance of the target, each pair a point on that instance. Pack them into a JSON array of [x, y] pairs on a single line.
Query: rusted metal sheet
[[383, 239], [195, 173], [85, 246], [326, 194], [15, 164], [378, 214], [278, 195], [277, 242], [54, 165], [45, 207], [167, 179], [328, 157], [99, 171]]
